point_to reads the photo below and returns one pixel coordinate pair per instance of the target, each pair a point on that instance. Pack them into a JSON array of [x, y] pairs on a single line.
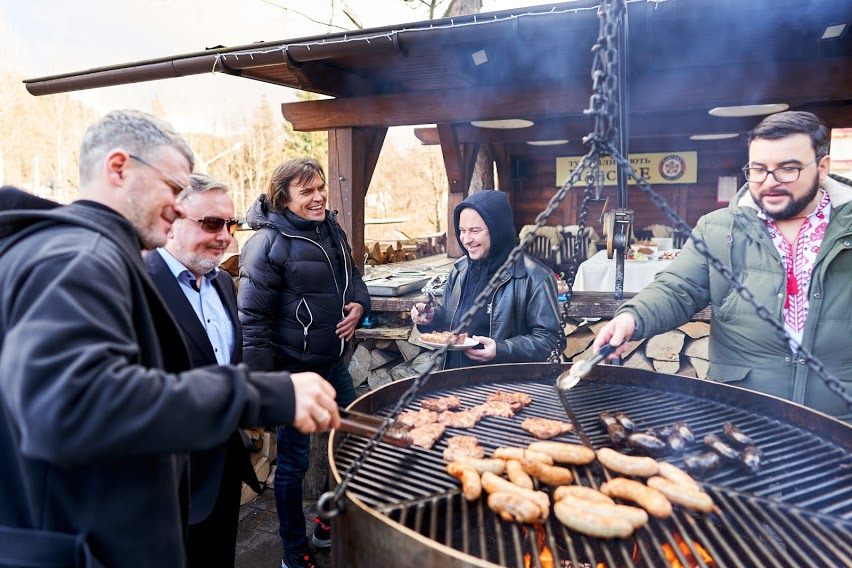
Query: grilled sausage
[[717, 445], [635, 516], [495, 484], [628, 465], [680, 495], [702, 464], [581, 492], [471, 485], [751, 458], [625, 421], [562, 452], [646, 497], [483, 465], [735, 435], [614, 429], [599, 526], [646, 443], [549, 474], [678, 476], [521, 453], [517, 475], [512, 507]]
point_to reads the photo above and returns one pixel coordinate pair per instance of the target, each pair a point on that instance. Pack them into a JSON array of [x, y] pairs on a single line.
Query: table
[[598, 273]]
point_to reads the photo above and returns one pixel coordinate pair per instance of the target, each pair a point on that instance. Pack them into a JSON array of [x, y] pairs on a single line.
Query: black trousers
[[211, 542]]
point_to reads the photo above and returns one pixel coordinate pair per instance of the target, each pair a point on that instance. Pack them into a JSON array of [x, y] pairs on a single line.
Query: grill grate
[[795, 512]]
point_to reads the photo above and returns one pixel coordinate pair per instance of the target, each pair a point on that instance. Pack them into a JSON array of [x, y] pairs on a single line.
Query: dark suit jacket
[[206, 468]]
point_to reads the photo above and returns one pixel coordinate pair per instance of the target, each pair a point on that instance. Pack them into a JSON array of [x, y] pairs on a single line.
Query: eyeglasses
[[215, 224], [784, 174], [177, 187]]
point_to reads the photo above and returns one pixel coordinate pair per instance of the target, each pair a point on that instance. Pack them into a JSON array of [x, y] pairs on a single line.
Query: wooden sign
[[657, 167]]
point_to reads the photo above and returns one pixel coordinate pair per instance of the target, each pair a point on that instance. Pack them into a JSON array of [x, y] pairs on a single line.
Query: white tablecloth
[[598, 274]]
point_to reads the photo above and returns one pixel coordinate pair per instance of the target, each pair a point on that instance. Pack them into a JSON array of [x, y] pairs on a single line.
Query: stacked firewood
[[682, 351], [385, 252], [378, 362]]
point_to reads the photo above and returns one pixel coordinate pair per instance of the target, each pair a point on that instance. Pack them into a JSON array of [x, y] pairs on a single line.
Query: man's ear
[[824, 166], [114, 165]]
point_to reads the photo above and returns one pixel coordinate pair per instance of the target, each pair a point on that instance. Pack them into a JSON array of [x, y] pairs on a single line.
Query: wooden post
[[352, 157]]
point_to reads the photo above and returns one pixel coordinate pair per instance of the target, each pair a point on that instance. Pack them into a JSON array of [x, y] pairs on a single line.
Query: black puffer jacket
[[522, 315], [290, 300]]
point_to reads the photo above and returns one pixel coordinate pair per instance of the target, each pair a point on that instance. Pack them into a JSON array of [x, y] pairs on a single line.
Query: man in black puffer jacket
[[300, 299], [521, 322]]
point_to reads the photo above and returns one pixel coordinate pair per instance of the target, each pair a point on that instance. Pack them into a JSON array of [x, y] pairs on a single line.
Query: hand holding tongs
[[580, 369], [430, 303], [367, 425]]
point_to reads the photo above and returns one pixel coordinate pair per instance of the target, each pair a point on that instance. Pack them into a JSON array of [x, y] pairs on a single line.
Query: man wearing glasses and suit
[[787, 236], [204, 302]]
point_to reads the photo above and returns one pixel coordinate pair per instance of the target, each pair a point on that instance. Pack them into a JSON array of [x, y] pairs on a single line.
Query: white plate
[[469, 342]]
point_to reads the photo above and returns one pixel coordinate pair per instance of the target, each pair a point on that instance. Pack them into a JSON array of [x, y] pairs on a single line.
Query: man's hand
[[616, 332], [346, 327], [486, 353], [316, 410], [422, 315]]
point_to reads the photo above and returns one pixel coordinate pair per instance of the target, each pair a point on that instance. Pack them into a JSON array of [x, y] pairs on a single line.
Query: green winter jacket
[[744, 350]]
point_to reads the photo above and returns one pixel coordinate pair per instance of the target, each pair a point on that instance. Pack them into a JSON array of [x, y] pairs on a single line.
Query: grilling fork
[[569, 379]]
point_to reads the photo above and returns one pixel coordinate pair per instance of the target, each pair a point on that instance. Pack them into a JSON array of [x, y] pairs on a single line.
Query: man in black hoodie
[[520, 323]]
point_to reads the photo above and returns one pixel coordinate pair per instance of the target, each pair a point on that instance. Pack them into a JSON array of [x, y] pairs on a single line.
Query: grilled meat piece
[[717, 445], [461, 419], [544, 428], [459, 447], [682, 428], [518, 400], [702, 464], [751, 458], [444, 337], [469, 477], [625, 421], [647, 444], [614, 429], [494, 408], [675, 442], [417, 418], [628, 465], [441, 404], [736, 435], [425, 436]]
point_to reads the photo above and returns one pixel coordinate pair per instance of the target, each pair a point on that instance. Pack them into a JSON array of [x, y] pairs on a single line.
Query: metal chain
[[762, 312]]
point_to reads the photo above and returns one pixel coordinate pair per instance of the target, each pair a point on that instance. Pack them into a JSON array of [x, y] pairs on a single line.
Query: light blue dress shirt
[[208, 306]]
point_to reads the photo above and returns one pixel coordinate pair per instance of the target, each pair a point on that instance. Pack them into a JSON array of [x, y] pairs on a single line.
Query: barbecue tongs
[[580, 369], [367, 425]]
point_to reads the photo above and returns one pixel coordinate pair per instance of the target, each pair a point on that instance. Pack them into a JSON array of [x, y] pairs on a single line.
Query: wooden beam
[[352, 157], [664, 91], [454, 249]]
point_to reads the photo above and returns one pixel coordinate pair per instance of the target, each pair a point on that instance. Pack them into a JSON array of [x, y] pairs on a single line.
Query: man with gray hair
[[96, 403], [203, 299]]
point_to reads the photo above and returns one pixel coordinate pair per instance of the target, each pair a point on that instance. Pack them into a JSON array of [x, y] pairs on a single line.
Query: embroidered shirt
[[208, 306], [800, 264]]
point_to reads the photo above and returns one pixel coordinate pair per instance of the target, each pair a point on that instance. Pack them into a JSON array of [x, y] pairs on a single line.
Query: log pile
[[682, 351], [378, 362], [385, 252]]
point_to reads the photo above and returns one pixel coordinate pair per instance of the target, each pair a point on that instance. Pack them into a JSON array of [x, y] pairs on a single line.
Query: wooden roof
[[685, 57]]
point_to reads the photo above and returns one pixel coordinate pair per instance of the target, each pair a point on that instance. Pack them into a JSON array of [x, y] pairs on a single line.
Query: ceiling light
[[720, 136], [747, 110], [505, 123], [832, 32], [479, 57], [546, 142]]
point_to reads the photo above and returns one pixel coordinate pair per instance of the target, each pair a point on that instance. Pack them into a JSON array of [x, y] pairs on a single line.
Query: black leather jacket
[[524, 313]]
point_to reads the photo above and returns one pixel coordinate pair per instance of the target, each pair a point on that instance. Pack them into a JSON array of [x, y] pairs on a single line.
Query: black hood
[[493, 206]]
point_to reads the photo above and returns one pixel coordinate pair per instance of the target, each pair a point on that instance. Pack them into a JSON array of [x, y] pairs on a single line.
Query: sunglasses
[[215, 224]]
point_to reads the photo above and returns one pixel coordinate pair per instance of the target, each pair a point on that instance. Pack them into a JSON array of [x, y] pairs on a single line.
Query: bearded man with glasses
[[787, 236], [98, 404]]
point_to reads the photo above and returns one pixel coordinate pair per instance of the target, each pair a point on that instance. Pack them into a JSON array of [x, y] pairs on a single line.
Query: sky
[[48, 37]]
